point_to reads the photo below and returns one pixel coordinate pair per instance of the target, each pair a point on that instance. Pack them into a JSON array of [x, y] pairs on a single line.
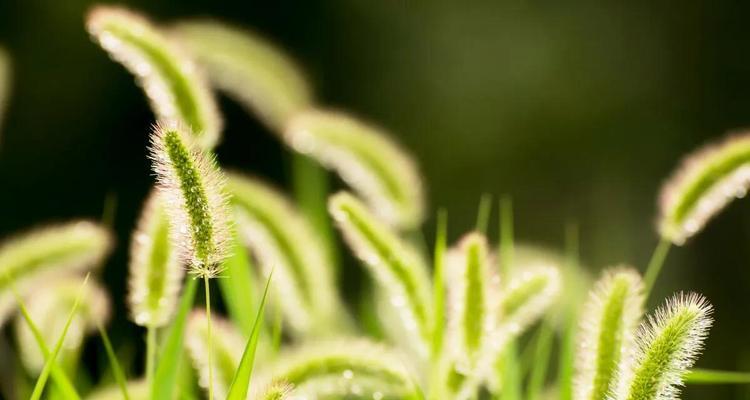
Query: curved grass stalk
[[396, 266], [607, 333], [668, 344], [224, 347], [191, 188], [706, 182], [48, 308], [471, 288], [366, 159], [248, 68], [138, 390], [283, 240], [177, 91], [155, 271], [49, 252], [5, 79], [342, 364]]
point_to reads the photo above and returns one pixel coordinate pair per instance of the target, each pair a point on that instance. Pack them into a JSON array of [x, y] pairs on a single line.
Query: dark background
[[578, 109]]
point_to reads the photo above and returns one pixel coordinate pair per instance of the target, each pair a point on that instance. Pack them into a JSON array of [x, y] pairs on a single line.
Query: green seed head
[[667, 346], [607, 332], [156, 271], [704, 184], [191, 186]]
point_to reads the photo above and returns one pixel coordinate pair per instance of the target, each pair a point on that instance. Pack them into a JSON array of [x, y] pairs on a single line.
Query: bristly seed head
[[193, 189], [705, 183]]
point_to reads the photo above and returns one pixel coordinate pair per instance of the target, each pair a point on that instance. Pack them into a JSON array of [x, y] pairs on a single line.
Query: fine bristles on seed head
[[177, 91], [274, 391], [472, 299], [606, 339], [47, 253], [340, 365], [49, 308], [226, 344], [248, 68], [667, 345], [155, 271], [378, 169], [397, 267], [283, 240], [526, 297], [706, 182], [192, 189]]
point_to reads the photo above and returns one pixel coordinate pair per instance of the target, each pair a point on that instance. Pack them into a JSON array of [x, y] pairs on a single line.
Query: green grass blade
[[165, 376], [114, 364], [700, 376], [483, 213], [238, 289], [543, 350], [36, 394], [241, 381], [64, 385]]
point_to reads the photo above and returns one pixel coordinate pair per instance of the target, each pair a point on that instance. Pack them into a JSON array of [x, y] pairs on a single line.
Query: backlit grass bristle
[[365, 157], [606, 338], [527, 296], [49, 308], [706, 181], [156, 270], [284, 241], [274, 391], [668, 344], [226, 344], [192, 189], [397, 266], [46, 253], [177, 91], [248, 68]]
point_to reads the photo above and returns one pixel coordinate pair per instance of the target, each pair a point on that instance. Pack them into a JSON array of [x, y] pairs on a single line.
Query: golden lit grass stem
[[209, 339], [655, 265]]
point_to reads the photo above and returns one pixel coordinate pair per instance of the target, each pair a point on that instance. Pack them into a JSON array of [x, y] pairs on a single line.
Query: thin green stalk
[[438, 296], [700, 376], [114, 364], [566, 362], [208, 339], [655, 265], [483, 213], [540, 366], [150, 352], [506, 237]]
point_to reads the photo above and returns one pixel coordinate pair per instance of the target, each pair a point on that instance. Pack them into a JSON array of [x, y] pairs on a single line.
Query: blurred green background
[[578, 109]]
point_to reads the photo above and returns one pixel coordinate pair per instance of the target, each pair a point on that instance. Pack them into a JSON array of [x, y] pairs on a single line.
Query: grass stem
[[209, 339], [150, 352], [655, 265]]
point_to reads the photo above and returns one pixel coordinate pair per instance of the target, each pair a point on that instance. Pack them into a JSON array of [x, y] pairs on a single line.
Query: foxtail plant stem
[[568, 344], [655, 264], [150, 352], [209, 340]]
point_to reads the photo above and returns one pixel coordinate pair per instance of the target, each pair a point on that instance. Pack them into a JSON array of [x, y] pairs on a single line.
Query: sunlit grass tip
[[226, 344], [192, 189], [668, 344], [248, 68], [606, 338], [397, 266], [155, 270], [282, 239], [378, 169], [706, 181], [177, 90], [49, 308], [49, 252]]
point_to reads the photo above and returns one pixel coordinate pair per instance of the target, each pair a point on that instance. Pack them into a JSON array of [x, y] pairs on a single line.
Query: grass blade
[[36, 394], [379, 170], [165, 376], [540, 365], [238, 290], [248, 68], [175, 88], [241, 380], [114, 364], [5, 80], [700, 376]]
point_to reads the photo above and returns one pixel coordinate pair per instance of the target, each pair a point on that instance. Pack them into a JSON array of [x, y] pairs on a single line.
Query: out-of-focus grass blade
[[566, 362], [540, 365], [241, 381], [438, 294], [165, 376], [483, 213], [114, 363], [36, 394], [700, 376], [59, 377], [238, 289], [5, 77]]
